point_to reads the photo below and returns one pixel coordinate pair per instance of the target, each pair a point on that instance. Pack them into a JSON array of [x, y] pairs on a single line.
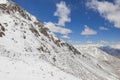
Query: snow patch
[[3, 1]]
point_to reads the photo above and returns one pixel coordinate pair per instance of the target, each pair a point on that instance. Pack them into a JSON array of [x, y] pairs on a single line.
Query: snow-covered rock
[[3, 1]]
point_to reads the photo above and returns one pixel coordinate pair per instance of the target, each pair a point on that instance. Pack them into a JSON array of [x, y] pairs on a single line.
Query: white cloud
[[103, 42], [103, 28], [88, 31], [63, 13], [115, 45], [89, 42], [110, 11], [66, 37], [57, 29]]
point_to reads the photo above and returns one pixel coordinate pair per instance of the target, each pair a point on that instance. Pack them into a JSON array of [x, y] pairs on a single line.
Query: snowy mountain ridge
[[3, 1], [99, 57], [26, 46]]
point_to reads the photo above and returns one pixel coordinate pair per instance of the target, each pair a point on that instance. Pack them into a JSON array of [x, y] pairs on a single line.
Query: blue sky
[[81, 21]]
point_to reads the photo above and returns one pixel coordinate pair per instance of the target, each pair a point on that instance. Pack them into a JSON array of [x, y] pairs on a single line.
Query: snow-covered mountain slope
[[33, 69], [100, 59], [27, 46]]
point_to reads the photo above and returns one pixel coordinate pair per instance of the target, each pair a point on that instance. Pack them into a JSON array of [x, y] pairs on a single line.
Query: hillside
[[28, 50]]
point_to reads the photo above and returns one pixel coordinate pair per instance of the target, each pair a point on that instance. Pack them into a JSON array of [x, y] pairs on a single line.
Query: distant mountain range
[[110, 50]]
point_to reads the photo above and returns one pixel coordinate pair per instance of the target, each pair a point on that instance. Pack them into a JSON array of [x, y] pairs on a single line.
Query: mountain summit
[[30, 51], [3, 1]]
